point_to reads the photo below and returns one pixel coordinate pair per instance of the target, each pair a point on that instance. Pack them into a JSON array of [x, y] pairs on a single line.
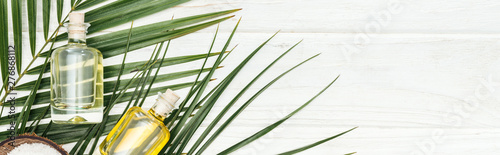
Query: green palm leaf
[[4, 49], [274, 125], [46, 18], [63, 133], [316, 143], [116, 84], [87, 4], [60, 7], [27, 105], [159, 27], [191, 127], [18, 32], [177, 128], [120, 12], [110, 49], [32, 4], [232, 102], [156, 75]]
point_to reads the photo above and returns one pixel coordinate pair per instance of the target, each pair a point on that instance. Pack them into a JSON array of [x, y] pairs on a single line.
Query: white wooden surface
[[417, 77]]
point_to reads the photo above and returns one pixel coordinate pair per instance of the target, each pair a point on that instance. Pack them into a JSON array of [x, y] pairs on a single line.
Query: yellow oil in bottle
[[139, 132]]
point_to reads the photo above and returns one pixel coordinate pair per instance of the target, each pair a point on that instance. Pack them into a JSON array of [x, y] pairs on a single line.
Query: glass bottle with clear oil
[[141, 132], [76, 78]]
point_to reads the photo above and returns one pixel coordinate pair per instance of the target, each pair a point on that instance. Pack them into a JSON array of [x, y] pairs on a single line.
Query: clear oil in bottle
[[76, 78]]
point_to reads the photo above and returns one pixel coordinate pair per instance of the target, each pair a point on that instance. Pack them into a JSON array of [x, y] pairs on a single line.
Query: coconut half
[[30, 144]]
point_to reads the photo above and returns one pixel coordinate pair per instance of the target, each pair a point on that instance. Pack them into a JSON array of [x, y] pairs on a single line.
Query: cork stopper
[[77, 28], [165, 102], [76, 18]]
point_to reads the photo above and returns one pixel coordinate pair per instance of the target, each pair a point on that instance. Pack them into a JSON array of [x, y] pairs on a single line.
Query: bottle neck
[[156, 115], [77, 33], [77, 41], [164, 105]]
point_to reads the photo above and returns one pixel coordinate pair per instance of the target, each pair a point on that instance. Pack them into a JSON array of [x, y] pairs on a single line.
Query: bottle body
[[76, 84], [137, 132]]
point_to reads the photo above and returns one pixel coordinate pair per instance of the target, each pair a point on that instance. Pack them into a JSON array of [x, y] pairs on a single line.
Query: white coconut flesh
[[34, 148]]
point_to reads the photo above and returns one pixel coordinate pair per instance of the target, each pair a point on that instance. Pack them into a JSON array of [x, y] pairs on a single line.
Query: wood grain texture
[[417, 77]]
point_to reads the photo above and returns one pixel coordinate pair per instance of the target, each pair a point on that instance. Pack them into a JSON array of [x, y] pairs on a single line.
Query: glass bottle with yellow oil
[[141, 132], [76, 93]]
